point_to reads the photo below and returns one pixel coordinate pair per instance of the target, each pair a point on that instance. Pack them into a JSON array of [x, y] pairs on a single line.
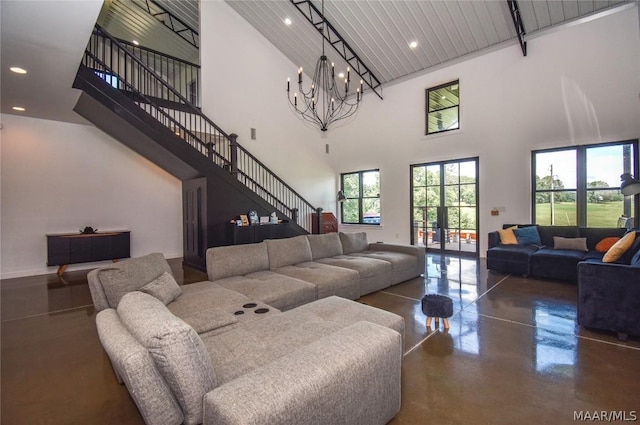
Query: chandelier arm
[[327, 100]]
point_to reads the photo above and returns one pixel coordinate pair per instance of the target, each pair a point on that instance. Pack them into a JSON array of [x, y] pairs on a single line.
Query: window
[[362, 192], [443, 108], [581, 185], [112, 80]]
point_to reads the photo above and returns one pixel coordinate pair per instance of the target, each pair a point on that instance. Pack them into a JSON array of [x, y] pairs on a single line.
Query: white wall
[[244, 86], [59, 177], [578, 85]]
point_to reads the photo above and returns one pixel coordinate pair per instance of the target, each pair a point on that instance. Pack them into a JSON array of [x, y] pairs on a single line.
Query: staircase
[[149, 107]]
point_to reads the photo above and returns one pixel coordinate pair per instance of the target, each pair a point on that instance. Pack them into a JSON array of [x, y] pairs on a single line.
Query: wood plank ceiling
[[379, 31]]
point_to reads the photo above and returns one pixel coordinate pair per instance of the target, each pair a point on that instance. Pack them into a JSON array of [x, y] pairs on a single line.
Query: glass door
[[444, 206]]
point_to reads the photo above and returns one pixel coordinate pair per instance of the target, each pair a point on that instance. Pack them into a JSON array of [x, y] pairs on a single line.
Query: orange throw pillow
[[606, 243], [619, 248], [507, 237]]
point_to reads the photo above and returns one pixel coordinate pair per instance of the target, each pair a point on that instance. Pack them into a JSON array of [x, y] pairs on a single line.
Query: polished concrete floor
[[513, 354]]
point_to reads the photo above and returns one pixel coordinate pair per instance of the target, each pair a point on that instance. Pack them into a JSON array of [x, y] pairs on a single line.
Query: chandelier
[[325, 102]]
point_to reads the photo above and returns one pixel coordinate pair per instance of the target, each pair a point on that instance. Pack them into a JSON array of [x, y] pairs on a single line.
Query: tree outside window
[[581, 185], [362, 192]]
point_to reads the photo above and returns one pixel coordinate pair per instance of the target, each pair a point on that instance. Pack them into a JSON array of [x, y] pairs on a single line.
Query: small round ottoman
[[438, 306]]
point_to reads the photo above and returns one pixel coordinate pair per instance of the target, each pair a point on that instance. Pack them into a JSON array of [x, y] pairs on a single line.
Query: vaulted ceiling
[[378, 31], [48, 37]]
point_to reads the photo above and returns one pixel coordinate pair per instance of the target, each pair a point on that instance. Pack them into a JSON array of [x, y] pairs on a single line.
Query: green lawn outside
[[603, 214]]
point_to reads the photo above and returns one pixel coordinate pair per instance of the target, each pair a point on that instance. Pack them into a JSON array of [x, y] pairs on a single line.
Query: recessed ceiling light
[[413, 44], [135, 42], [18, 108], [287, 21], [18, 70]]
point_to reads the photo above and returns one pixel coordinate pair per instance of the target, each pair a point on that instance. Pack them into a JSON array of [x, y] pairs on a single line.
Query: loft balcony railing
[[180, 74], [115, 63]]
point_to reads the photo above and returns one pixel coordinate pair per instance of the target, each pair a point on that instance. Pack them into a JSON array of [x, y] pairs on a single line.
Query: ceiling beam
[[318, 20], [170, 21], [517, 23]]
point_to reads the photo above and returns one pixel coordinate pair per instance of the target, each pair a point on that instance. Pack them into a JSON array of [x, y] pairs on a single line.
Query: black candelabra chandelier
[[325, 103]]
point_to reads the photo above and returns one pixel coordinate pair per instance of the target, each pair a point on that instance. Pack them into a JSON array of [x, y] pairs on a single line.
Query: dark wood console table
[[258, 232], [328, 224], [72, 248]]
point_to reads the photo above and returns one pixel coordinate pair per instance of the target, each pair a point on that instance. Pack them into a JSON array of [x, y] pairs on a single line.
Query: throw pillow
[[606, 243], [579, 244], [353, 242], [507, 237], [527, 235], [164, 287], [619, 248]]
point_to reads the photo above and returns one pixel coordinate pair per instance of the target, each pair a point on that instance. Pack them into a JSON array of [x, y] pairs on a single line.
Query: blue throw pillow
[[527, 235]]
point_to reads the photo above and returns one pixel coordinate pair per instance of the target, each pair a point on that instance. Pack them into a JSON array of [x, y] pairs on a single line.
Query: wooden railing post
[[318, 222], [233, 138], [294, 215], [210, 150]]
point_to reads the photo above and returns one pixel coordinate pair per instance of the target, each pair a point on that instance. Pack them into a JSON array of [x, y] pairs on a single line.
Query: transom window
[[362, 197], [581, 185], [443, 108]]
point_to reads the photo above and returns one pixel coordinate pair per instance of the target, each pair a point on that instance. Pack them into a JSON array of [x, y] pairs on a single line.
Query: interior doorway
[[444, 206]]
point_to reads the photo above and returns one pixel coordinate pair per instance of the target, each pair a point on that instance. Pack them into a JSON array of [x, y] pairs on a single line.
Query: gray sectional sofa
[[289, 272], [223, 352]]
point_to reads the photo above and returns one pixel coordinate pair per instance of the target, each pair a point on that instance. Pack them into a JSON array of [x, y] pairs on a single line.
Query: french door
[[444, 206]]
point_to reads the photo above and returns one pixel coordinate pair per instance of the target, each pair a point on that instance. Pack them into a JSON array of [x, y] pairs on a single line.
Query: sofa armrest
[[493, 239], [97, 292], [135, 368], [350, 376], [609, 296], [418, 251]]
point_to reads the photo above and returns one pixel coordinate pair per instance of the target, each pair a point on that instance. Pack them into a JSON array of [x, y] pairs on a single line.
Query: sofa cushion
[[353, 242], [398, 260], [365, 266], [246, 348], [510, 258], [555, 263], [579, 244], [324, 246], [527, 235], [209, 319], [277, 290], [236, 260], [176, 349], [131, 275], [619, 248], [329, 280], [288, 251], [164, 287], [346, 313]]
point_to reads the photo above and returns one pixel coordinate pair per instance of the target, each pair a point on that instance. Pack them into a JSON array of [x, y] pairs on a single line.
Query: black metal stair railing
[[115, 64], [180, 74]]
